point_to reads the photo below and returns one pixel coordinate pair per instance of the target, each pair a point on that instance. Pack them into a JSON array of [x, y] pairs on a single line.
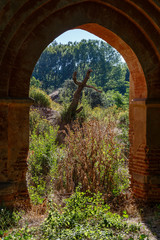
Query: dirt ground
[[150, 224]]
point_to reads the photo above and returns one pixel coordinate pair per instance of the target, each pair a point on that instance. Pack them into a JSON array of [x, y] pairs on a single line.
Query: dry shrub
[[93, 159]]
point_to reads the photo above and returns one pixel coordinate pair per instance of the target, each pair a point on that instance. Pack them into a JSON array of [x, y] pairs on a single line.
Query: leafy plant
[[41, 99], [20, 234], [86, 216], [41, 160], [37, 123], [35, 83], [8, 219]]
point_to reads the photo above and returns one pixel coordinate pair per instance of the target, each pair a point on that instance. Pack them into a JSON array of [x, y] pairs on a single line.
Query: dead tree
[[72, 109]]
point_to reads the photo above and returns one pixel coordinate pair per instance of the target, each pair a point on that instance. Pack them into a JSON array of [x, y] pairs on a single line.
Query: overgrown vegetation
[[91, 167], [85, 216], [8, 219], [42, 160], [41, 99], [93, 157]]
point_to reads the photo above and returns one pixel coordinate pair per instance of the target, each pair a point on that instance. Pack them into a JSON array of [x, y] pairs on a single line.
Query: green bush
[[123, 125], [123, 118], [86, 216], [38, 123], [104, 114], [41, 161], [67, 91], [41, 99], [35, 82], [8, 218], [94, 98], [112, 97], [84, 114]]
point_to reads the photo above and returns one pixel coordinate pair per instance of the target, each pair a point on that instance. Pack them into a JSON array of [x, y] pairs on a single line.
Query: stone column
[[14, 145], [144, 163]]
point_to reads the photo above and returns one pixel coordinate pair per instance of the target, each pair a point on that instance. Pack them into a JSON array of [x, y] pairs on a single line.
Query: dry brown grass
[[93, 158]]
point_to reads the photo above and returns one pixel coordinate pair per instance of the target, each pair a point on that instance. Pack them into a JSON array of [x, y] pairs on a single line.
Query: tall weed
[[93, 158], [37, 123], [123, 125], [41, 161]]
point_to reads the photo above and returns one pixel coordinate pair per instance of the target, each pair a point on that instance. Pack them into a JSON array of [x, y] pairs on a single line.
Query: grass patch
[[41, 99]]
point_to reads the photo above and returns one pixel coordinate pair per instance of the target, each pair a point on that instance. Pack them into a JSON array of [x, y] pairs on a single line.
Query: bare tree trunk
[[72, 109]]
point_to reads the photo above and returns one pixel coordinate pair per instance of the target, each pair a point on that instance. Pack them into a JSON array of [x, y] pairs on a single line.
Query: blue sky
[[75, 35]]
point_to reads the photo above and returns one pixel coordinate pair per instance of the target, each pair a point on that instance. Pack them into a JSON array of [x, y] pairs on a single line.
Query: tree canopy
[[58, 62]]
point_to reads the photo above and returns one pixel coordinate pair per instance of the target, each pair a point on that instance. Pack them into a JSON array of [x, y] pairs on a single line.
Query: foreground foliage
[[8, 218], [93, 156], [41, 161], [86, 217]]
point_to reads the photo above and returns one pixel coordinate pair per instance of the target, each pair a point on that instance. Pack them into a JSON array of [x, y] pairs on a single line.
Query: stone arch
[[132, 27]]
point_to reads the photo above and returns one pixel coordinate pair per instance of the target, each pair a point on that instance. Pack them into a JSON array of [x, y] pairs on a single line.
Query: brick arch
[[139, 87], [131, 31], [132, 27]]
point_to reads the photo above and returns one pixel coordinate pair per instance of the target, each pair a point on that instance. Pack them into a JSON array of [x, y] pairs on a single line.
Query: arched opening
[[57, 64], [34, 27], [72, 18]]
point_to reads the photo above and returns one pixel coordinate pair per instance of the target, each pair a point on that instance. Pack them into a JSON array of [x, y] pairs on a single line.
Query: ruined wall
[[131, 26]]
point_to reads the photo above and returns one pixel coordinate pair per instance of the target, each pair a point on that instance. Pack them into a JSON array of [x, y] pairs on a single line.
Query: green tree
[[59, 61], [35, 83]]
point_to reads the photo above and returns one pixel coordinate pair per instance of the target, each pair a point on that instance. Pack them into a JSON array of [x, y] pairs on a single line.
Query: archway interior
[[52, 46], [138, 89]]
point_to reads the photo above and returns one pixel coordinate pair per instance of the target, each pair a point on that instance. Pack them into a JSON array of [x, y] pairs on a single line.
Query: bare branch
[[93, 88], [79, 109], [75, 79], [87, 76]]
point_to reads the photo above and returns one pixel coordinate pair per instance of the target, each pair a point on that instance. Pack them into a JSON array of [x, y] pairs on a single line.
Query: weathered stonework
[[145, 149], [132, 27], [14, 150]]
